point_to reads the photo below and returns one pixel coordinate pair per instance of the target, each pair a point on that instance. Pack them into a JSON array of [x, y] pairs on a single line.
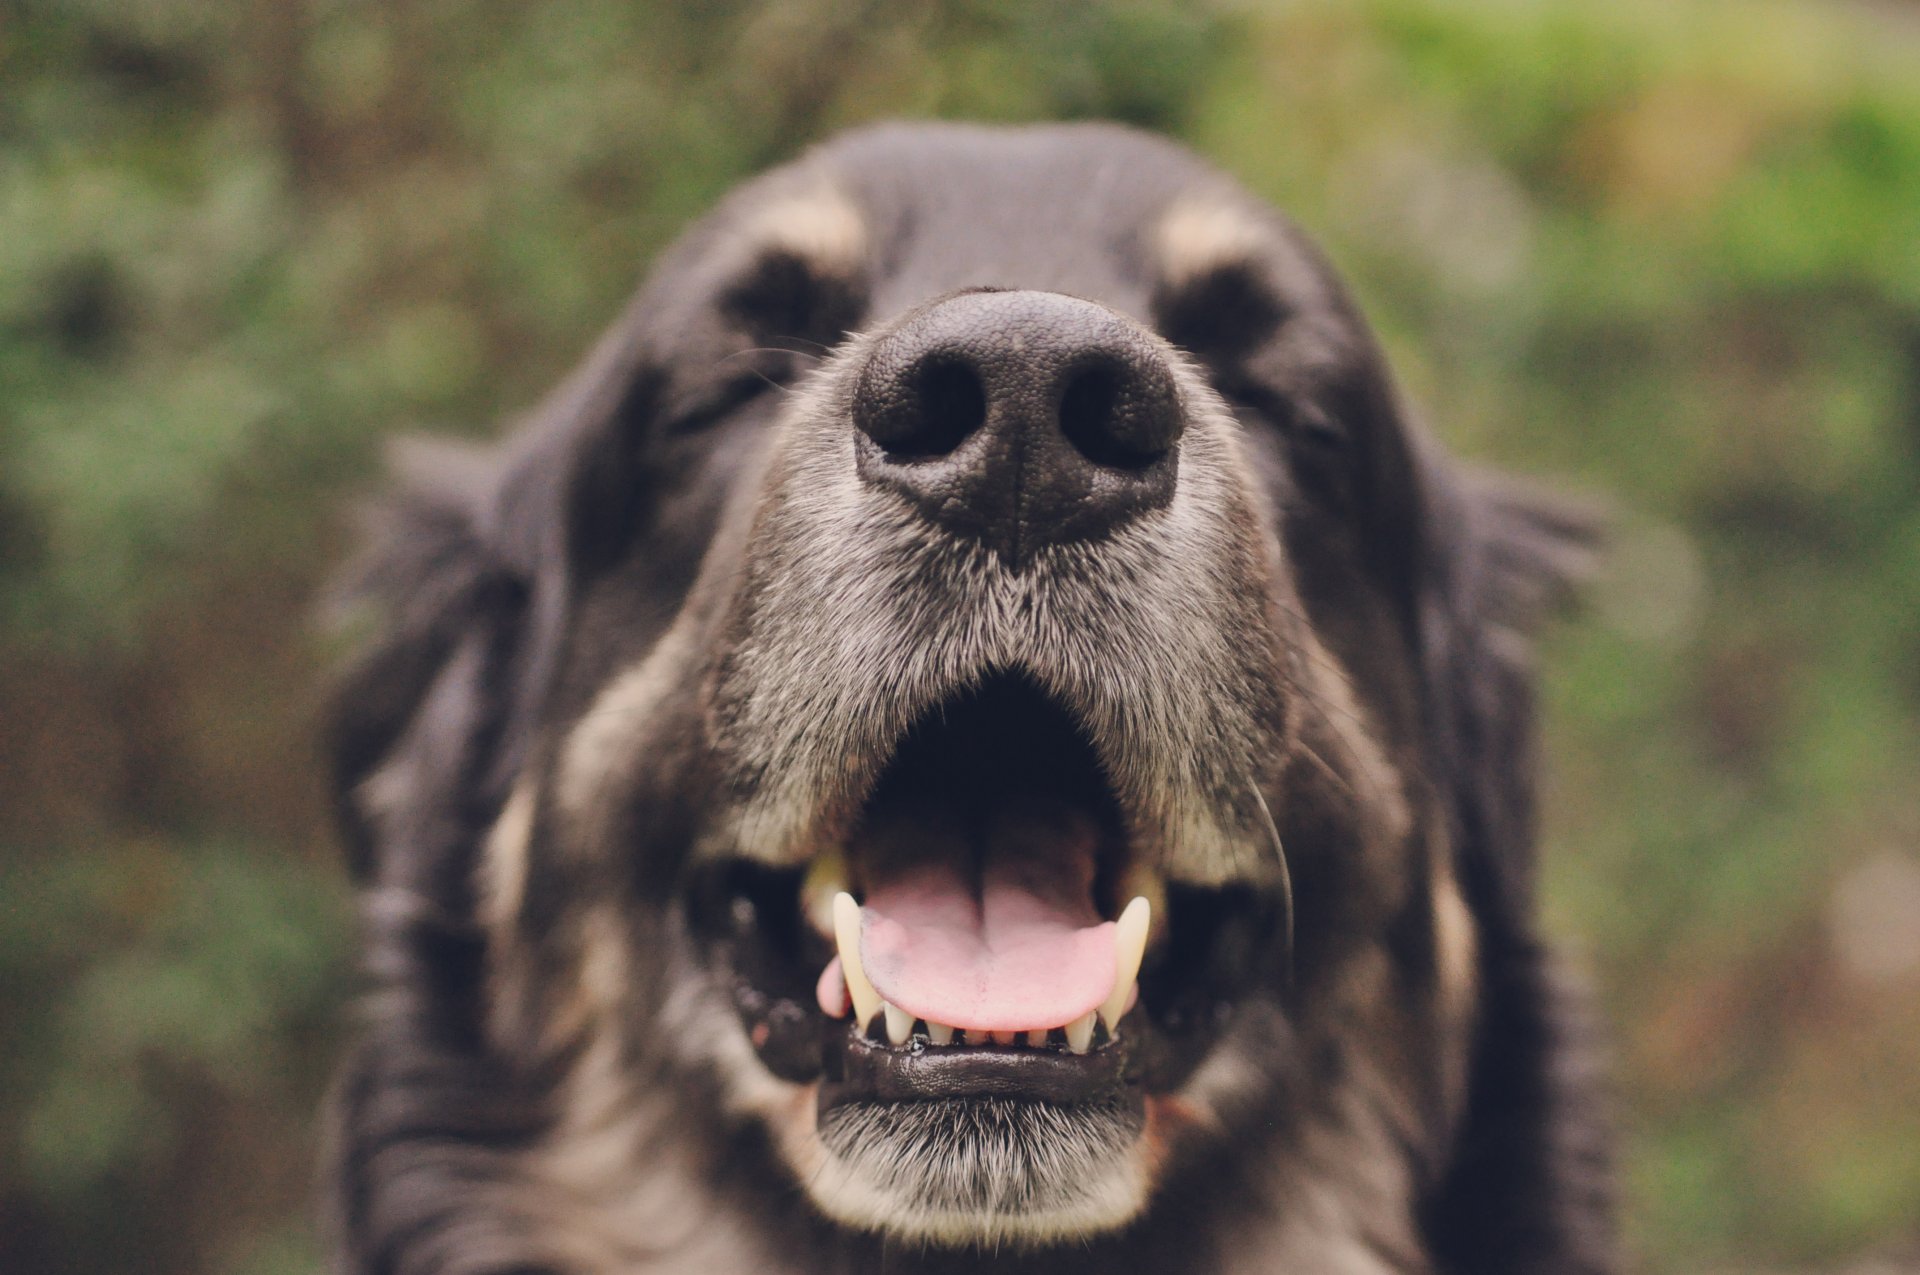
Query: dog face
[[961, 704]]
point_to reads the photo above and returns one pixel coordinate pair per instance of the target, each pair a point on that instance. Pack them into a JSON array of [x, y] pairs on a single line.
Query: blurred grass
[[1667, 251]]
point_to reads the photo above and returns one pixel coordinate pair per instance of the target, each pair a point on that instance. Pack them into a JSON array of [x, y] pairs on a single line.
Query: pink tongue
[[1020, 948]]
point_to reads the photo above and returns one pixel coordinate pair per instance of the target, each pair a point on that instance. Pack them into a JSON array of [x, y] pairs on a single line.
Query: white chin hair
[[988, 1174]]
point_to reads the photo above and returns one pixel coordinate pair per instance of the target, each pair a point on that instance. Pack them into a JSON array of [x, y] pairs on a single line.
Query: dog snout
[[1020, 419]]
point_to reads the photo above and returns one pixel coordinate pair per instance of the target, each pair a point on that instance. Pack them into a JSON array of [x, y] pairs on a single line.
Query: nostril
[[925, 412], [1086, 417], [952, 404], [1116, 418]]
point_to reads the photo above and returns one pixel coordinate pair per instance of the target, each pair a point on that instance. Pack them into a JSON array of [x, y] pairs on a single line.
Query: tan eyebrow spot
[[1199, 235], [820, 226]]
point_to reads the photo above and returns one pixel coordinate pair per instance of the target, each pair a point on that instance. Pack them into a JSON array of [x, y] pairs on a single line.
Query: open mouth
[[987, 928]]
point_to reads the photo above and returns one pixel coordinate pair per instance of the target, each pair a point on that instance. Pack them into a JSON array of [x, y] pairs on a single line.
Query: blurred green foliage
[[1667, 251]]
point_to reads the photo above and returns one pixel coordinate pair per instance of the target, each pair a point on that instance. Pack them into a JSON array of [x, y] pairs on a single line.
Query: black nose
[[1020, 419]]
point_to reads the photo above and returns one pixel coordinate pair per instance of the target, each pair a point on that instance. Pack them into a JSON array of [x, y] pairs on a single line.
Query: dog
[[973, 732]]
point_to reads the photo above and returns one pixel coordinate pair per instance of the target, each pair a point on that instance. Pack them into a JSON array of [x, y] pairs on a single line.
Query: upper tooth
[[846, 936], [1129, 946], [899, 1024]]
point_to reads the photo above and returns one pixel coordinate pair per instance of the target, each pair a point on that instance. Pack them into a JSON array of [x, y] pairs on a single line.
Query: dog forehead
[[1064, 209], [1096, 211]]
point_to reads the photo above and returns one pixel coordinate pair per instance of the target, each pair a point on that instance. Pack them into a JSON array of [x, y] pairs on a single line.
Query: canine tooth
[[939, 1033], [846, 936], [899, 1023], [1129, 946], [1038, 1036], [1004, 1038], [1080, 1032]]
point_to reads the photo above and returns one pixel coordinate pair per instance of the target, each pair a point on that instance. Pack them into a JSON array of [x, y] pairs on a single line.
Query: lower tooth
[[899, 1024], [940, 1033], [1037, 1037], [1080, 1032], [1004, 1038]]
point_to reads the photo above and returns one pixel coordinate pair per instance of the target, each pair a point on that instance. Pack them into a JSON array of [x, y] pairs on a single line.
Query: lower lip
[[862, 1070]]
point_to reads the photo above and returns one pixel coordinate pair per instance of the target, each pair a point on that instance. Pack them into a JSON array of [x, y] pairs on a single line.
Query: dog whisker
[[1286, 876]]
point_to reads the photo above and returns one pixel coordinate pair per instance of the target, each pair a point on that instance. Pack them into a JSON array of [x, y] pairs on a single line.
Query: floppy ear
[[1528, 1188], [1502, 556], [464, 585], [445, 610], [463, 590]]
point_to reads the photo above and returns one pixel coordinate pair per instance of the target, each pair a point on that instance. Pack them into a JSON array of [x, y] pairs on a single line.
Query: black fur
[[509, 588]]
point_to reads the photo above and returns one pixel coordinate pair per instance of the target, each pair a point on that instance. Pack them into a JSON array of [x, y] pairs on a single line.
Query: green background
[[1665, 252]]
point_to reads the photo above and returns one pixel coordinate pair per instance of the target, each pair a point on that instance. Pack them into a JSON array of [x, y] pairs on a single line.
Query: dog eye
[[1301, 422], [726, 398], [1314, 426]]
